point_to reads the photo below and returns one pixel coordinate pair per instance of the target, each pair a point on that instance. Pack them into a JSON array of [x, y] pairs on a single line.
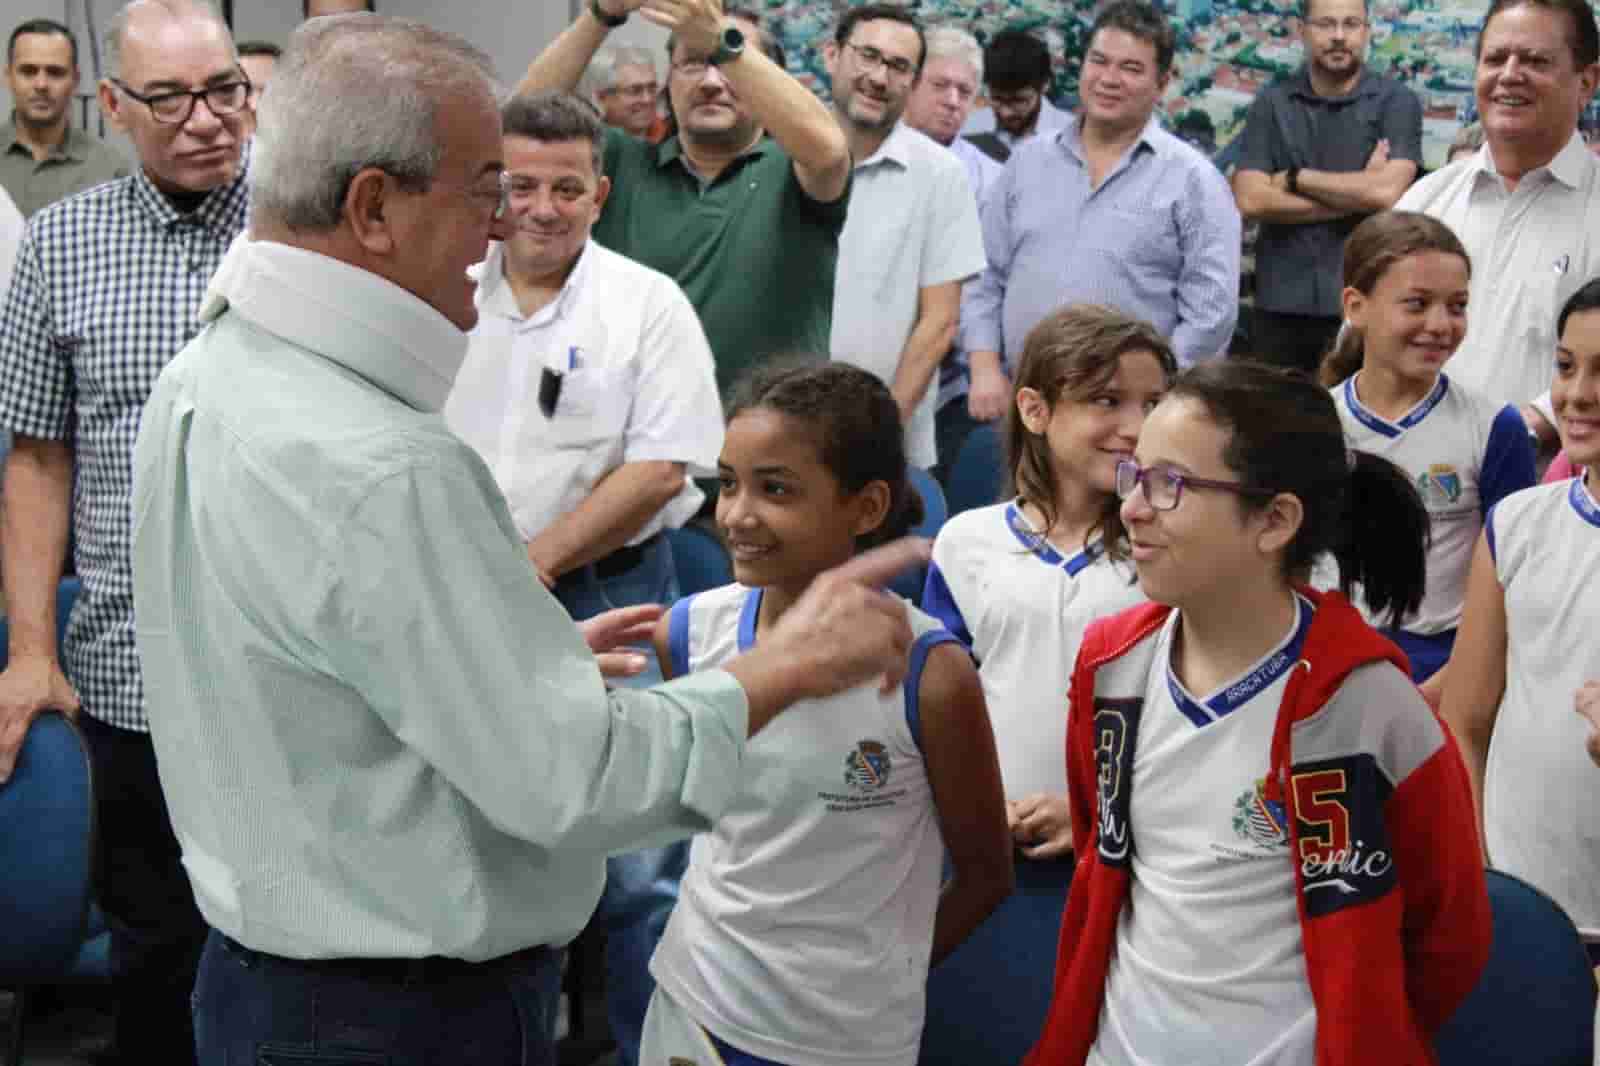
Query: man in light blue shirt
[[390, 760], [1112, 210]]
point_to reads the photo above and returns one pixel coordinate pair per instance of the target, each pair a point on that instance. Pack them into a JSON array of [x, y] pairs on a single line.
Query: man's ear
[[111, 104], [369, 205]]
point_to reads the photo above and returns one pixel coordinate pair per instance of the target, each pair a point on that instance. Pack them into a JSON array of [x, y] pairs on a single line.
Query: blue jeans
[[261, 1010], [641, 886]]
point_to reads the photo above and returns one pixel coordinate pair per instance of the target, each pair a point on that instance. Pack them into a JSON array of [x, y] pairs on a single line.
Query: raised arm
[[563, 63], [786, 109]]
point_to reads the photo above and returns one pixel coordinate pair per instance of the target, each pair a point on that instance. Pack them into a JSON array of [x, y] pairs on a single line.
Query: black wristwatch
[[610, 22], [1291, 180], [730, 46]]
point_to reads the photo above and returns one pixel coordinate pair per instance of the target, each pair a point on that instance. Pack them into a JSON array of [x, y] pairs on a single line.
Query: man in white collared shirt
[[1526, 203], [588, 387], [589, 390], [911, 237]]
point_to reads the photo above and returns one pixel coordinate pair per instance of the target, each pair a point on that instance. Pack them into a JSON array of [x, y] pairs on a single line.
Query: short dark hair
[[1585, 40], [1145, 22], [48, 27], [1014, 60], [259, 48], [305, 7], [881, 13], [1585, 299], [553, 116], [855, 423], [1305, 7]]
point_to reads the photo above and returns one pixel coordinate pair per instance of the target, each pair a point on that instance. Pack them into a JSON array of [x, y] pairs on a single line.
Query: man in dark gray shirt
[[1322, 150]]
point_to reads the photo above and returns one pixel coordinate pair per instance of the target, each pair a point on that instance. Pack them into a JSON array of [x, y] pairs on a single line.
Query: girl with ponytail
[[1405, 309], [1276, 857]]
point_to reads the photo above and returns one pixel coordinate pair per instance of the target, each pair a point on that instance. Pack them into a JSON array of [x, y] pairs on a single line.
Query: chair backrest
[[979, 468], [1534, 1004], [700, 559], [46, 846], [935, 511]]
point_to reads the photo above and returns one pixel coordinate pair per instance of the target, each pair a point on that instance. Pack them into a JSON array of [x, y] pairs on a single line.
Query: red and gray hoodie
[[1394, 913]]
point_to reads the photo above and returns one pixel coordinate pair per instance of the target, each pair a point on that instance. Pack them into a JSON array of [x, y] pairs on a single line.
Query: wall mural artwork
[[1227, 50]]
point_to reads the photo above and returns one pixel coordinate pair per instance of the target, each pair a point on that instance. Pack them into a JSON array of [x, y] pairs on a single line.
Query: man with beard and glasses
[[912, 236], [1321, 151], [743, 206], [46, 157], [1017, 73], [1524, 204]]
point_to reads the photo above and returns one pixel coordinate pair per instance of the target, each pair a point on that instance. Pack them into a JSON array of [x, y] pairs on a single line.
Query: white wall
[[511, 31]]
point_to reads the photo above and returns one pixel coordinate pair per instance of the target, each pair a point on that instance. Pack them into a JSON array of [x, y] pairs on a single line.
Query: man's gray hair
[[117, 28], [552, 117], [948, 42], [353, 92], [602, 73]]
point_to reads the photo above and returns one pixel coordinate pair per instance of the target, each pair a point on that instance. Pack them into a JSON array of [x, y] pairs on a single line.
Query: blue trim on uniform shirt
[[1044, 550], [1509, 463], [912, 685], [1240, 692], [678, 636], [1413, 416], [1583, 503], [1488, 532], [747, 620], [938, 601]]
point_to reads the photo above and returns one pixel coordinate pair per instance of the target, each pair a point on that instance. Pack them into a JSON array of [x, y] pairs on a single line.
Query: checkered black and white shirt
[[106, 291]]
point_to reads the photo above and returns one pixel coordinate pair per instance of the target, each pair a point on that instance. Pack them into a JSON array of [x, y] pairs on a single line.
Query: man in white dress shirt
[[911, 237], [1526, 203], [388, 755], [589, 390]]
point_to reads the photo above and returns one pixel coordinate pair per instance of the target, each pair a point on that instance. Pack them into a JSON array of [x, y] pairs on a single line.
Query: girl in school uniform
[[1276, 862], [1019, 582], [1405, 309], [1527, 651], [811, 911]]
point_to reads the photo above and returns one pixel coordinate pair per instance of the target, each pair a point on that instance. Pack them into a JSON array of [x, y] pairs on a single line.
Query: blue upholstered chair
[[978, 469], [1534, 1004], [934, 513], [47, 831]]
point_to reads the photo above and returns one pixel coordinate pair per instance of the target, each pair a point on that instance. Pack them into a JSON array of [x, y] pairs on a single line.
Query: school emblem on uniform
[[1263, 822], [866, 768], [1440, 485]]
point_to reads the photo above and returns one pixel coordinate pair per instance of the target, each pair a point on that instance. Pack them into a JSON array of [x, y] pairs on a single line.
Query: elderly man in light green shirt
[[389, 756]]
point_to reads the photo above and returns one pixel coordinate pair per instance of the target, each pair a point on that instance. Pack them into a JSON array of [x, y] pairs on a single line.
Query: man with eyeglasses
[[1321, 151], [626, 89], [1524, 204], [912, 236], [743, 206], [106, 291], [1017, 71]]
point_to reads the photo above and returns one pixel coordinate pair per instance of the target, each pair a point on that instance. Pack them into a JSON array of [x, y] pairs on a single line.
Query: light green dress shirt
[[377, 733]]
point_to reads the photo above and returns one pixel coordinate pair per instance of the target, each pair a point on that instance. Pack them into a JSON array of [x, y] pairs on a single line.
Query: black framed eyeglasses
[[174, 108], [872, 59], [1163, 486]]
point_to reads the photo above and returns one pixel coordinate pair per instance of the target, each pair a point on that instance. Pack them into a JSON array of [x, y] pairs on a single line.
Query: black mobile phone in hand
[[549, 391]]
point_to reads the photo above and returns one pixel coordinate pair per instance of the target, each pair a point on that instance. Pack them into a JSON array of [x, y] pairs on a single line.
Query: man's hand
[[1539, 427], [1380, 155], [621, 628], [28, 686], [697, 23], [1587, 703], [989, 394], [1041, 825]]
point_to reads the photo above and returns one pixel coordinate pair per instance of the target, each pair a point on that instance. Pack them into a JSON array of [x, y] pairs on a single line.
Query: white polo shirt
[[913, 223], [1531, 249], [637, 386]]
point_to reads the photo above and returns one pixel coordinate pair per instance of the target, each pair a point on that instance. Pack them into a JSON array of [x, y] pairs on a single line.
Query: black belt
[[430, 970], [623, 559]]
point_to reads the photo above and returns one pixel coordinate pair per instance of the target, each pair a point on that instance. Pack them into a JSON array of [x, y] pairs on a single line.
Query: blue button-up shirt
[[1159, 239]]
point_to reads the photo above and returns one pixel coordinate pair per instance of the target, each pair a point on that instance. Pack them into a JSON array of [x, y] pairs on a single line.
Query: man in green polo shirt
[[744, 204], [43, 157]]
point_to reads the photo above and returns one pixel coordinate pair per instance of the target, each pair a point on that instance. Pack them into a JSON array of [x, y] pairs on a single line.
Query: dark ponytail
[[1384, 544], [1285, 437], [1381, 241]]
